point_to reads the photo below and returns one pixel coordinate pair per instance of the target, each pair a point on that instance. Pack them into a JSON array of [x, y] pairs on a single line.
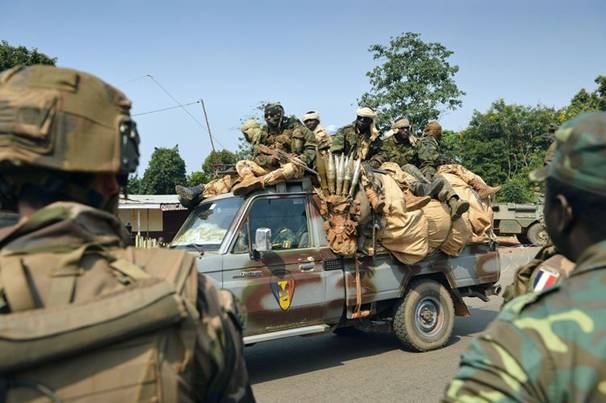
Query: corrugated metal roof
[[152, 202]]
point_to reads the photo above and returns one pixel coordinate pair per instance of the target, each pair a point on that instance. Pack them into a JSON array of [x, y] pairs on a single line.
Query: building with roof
[[152, 216]]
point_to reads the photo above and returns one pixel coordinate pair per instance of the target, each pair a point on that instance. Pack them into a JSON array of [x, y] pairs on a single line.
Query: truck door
[[283, 288]]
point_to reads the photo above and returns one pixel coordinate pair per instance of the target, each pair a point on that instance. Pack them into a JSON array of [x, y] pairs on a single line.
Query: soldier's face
[[312, 124], [403, 132], [273, 118], [363, 123]]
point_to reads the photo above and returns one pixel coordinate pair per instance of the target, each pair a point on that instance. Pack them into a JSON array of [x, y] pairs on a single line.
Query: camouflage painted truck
[[270, 250]]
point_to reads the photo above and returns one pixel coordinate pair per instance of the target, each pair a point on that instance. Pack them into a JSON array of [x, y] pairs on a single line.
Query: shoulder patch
[[545, 278]]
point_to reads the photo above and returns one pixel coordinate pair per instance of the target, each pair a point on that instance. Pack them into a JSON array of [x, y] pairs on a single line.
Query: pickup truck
[[270, 250]]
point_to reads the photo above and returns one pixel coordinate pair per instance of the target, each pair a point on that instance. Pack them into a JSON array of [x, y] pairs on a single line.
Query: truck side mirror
[[262, 240]]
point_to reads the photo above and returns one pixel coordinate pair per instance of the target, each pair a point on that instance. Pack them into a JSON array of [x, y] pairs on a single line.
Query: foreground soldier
[[312, 120], [281, 151], [84, 318], [549, 346]]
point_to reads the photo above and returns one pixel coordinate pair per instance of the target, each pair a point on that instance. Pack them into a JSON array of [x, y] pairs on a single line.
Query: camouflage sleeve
[[521, 279], [338, 142], [428, 152], [219, 354], [308, 139], [377, 154], [509, 363]]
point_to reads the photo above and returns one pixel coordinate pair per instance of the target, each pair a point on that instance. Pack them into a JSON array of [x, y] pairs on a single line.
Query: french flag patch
[[544, 279]]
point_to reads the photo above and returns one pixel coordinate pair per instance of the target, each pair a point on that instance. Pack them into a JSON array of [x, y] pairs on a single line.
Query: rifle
[[284, 156]]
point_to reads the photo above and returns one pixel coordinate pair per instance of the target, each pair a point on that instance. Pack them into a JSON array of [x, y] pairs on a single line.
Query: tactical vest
[[64, 340]]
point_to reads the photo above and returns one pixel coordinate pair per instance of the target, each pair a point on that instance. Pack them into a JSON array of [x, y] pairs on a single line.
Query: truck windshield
[[207, 225]]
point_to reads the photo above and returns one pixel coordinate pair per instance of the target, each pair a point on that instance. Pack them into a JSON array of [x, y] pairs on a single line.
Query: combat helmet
[[62, 121]]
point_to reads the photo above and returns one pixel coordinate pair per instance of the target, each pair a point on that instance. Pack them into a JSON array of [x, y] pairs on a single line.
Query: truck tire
[[424, 318], [536, 234]]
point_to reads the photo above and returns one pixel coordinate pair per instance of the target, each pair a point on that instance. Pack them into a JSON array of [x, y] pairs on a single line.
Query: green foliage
[[11, 56], [216, 162], [134, 185], [195, 178], [506, 142], [245, 149], [585, 101], [516, 190], [414, 79], [165, 170]]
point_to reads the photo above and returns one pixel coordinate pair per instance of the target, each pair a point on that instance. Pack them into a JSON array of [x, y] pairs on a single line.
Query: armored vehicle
[[271, 251], [525, 221]]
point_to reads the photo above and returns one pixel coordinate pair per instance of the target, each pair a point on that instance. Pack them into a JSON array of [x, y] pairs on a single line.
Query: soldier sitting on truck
[[400, 149], [282, 150], [360, 139], [430, 158]]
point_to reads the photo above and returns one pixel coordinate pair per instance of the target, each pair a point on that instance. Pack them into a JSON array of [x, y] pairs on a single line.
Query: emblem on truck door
[[283, 288]]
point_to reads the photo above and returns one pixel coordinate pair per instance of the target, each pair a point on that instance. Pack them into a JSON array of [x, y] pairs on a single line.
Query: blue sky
[[307, 54]]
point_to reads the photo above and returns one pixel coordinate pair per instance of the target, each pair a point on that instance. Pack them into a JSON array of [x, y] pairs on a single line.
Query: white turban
[[402, 122], [311, 116], [366, 112]]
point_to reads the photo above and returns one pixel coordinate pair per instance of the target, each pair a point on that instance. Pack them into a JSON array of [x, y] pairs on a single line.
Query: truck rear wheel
[[424, 319], [537, 234]]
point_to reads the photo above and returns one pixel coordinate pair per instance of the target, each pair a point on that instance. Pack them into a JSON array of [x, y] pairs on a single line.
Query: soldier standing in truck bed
[[312, 120], [83, 317]]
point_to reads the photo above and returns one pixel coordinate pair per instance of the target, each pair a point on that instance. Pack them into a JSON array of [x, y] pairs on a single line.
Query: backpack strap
[[15, 285]]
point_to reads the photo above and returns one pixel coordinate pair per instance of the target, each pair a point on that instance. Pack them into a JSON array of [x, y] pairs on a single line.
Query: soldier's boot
[[415, 202], [484, 191], [450, 199], [247, 185], [457, 207], [189, 197]]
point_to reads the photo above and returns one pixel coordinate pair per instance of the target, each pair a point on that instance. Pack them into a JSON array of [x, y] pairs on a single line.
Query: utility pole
[[212, 144]]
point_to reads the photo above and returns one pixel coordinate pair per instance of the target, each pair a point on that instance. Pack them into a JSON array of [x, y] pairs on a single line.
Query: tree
[[217, 162], [195, 178], [11, 56], [504, 144], [585, 101], [415, 79], [134, 185], [165, 170]]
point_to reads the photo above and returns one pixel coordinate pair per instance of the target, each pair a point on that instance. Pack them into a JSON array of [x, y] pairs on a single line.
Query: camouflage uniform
[[273, 152], [364, 146], [323, 139], [67, 277], [548, 346], [406, 155]]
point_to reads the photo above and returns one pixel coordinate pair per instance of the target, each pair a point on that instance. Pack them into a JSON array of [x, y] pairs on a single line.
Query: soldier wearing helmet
[[548, 346], [281, 151], [99, 320]]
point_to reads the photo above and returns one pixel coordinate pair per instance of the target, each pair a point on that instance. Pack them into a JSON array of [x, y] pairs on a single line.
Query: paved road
[[365, 367]]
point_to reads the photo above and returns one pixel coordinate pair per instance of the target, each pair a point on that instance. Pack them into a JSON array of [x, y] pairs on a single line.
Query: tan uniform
[[66, 270], [323, 139]]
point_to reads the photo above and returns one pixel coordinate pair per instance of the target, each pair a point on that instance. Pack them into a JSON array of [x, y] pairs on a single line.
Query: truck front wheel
[[424, 319]]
